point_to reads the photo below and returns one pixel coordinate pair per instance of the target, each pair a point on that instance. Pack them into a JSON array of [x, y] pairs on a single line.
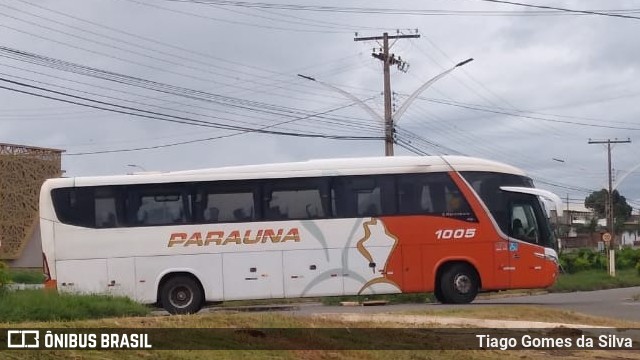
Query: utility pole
[[569, 222], [388, 60], [609, 205]]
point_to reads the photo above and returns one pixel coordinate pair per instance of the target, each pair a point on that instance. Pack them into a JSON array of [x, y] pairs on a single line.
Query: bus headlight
[[551, 254]]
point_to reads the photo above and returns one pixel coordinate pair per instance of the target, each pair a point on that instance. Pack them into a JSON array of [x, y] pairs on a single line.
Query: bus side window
[[159, 204], [408, 197], [211, 214], [368, 202], [106, 208], [74, 206], [432, 193], [363, 196], [226, 202], [426, 204], [298, 199]]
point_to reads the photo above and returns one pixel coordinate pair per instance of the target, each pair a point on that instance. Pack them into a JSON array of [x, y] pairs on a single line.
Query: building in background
[[631, 231], [23, 169], [578, 227]]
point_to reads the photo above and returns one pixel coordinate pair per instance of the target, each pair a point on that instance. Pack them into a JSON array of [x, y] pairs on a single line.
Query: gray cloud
[[569, 69]]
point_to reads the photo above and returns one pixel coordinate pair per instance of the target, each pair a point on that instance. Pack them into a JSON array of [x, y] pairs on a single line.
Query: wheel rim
[[462, 283], [180, 297]]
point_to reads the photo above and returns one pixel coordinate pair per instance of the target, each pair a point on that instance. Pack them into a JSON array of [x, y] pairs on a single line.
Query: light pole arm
[[412, 97], [349, 96], [621, 179]]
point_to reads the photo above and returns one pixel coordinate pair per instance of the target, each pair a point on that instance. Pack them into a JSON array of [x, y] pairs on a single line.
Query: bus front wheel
[[181, 295], [437, 292], [459, 284]]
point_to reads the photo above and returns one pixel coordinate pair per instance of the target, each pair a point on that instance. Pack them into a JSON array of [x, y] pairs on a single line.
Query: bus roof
[[311, 168]]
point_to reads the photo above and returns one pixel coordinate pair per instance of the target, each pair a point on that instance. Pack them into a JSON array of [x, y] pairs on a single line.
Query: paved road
[[614, 303]]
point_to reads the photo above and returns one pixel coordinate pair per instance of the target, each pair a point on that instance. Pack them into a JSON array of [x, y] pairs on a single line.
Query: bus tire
[[438, 294], [181, 295], [459, 284]]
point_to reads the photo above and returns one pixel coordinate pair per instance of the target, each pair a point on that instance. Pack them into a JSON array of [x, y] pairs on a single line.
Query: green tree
[[597, 201]]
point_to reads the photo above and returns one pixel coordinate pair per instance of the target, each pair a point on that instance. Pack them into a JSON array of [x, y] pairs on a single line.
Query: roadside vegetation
[[26, 276], [5, 277], [588, 259], [586, 269], [17, 306], [40, 305], [19, 276], [588, 280]]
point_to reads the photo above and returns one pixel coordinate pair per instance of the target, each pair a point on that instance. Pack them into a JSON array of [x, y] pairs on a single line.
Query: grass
[[40, 305], [595, 280], [26, 276]]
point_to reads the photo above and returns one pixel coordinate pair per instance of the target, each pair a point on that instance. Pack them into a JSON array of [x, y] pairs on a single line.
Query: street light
[[412, 97], [389, 123]]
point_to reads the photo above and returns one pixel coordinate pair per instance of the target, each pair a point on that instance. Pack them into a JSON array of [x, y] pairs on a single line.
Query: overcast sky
[[541, 85]]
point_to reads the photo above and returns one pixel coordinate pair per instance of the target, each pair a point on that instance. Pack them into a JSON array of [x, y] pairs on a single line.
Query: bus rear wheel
[[181, 295], [459, 284]]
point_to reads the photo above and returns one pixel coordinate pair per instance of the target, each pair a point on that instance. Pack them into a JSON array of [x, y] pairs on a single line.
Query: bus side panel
[[207, 268], [313, 273], [121, 276], [367, 276], [253, 275], [530, 269], [432, 240], [82, 276], [413, 269]]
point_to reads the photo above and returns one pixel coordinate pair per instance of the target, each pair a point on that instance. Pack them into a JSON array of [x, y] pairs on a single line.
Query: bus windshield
[[518, 213]]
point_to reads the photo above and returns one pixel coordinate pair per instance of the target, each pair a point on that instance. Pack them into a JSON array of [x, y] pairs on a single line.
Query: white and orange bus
[[449, 225]]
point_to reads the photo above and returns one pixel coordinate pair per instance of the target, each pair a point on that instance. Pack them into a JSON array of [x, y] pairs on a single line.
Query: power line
[[165, 117], [584, 12], [182, 63], [477, 108], [202, 96], [143, 83], [398, 11], [234, 84], [235, 22], [321, 115], [155, 41]]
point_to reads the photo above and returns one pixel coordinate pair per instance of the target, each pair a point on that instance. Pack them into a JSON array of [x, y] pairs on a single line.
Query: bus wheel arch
[[457, 282], [181, 293]]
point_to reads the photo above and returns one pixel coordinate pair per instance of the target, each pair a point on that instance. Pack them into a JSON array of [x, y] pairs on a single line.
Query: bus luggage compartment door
[[82, 276], [256, 275], [121, 276]]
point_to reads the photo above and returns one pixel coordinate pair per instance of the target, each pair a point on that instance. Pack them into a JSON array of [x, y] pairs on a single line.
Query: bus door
[[530, 239], [526, 255]]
